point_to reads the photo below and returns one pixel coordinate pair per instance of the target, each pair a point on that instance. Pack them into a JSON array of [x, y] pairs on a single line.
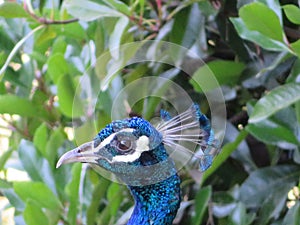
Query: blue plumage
[[135, 151]]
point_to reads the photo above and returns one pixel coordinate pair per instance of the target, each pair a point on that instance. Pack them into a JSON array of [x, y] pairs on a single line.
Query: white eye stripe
[[142, 145], [107, 140]]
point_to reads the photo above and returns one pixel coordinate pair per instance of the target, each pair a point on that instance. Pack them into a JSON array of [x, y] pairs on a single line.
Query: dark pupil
[[124, 145]]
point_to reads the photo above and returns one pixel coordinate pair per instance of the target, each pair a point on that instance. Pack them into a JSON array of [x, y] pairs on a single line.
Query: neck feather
[[156, 203]]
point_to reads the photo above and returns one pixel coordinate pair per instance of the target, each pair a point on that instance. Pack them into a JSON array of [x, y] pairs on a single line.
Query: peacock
[[138, 153]]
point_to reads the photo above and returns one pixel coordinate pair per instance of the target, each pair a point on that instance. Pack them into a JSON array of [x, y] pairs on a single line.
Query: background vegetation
[[252, 47]]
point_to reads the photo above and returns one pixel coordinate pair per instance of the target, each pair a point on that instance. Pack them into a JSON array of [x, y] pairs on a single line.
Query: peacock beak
[[83, 153]]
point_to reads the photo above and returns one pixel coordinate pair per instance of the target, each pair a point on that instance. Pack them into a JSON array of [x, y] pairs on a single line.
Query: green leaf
[[57, 67], [226, 72], [114, 198], [273, 182], [39, 193], [4, 157], [259, 17], [72, 189], [293, 215], [46, 34], [40, 138], [296, 47], [274, 101], [35, 165], [13, 198], [88, 10], [69, 104], [13, 104], [34, 215], [257, 37], [238, 216], [201, 203], [55, 141], [59, 45], [271, 132], [116, 36], [98, 194], [292, 12], [120, 6], [189, 18], [12, 10], [224, 154], [16, 48]]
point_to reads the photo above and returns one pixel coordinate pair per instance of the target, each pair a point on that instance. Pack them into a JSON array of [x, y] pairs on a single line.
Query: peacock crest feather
[[138, 153]]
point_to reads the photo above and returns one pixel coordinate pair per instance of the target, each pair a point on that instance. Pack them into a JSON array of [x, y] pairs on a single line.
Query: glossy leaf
[[292, 12], [40, 138], [273, 182], [34, 215], [257, 37], [39, 193], [16, 48], [272, 132], [190, 19], [226, 72], [4, 157], [89, 10], [69, 104], [54, 142], [261, 18], [296, 47], [13, 104], [116, 36], [36, 166], [119, 6], [274, 101], [293, 215], [12, 10], [57, 67]]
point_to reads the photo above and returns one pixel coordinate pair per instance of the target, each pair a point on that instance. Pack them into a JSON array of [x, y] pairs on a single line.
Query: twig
[[46, 21]]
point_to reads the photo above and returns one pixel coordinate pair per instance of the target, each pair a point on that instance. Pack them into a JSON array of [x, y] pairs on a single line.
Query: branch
[[46, 21]]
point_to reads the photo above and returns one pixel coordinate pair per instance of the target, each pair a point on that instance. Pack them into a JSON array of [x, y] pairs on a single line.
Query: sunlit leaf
[[88, 10], [36, 166], [116, 36], [34, 215], [226, 72], [39, 193], [119, 6], [12, 10], [69, 104], [274, 101], [13, 104], [57, 67], [40, 138], [292, 12], [257, 37], [261, 18]]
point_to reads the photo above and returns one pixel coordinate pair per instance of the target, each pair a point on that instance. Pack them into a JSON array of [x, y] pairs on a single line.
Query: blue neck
[[156, 203]]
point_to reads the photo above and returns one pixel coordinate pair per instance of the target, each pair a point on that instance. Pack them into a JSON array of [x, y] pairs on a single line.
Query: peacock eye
[[124, 145]]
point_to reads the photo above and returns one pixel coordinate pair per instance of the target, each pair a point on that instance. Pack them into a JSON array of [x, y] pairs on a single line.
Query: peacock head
[[134, 150]]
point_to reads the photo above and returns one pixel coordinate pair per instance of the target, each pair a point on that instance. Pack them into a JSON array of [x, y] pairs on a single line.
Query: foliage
[[252, 47]]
